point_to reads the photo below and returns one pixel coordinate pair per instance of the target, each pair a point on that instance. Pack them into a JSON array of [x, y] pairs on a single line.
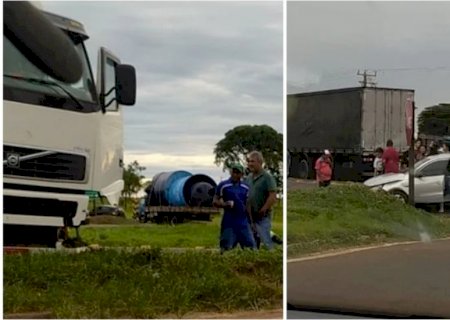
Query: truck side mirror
[[126, 84]]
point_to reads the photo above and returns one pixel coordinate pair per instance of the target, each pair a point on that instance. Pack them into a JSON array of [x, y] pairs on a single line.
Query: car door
[[429, 186]]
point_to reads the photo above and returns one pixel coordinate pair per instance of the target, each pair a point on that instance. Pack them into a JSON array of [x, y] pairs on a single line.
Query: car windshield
[[421, 162], [19, 72]]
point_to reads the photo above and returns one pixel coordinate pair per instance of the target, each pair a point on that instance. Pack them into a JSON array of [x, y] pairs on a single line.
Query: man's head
[[327, 153], [236, 171], [255, 161], [389, 143]]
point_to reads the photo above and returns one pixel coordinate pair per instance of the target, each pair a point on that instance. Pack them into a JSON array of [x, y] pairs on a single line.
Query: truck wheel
[[400, 195], [299, 168], [303, 169], [289, 163]]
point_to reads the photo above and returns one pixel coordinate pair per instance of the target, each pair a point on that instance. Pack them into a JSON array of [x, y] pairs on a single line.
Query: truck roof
[[67, 24], [312, 93]]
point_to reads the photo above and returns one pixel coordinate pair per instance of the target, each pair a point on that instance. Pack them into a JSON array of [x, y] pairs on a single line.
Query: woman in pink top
[[324, 169], [391, 158]]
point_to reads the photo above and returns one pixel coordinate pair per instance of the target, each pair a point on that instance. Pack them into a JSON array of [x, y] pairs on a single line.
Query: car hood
[[384, 179]]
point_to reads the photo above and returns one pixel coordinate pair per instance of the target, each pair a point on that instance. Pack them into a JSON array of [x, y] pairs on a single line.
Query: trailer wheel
[[289, 163], [303, 169], [299, 167]]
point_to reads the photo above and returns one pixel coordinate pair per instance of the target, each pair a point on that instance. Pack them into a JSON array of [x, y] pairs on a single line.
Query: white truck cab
[[62, 141]]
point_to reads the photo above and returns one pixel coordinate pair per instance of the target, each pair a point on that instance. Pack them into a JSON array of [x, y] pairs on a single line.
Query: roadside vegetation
[[142, 283], [349, 215], [145, 280], [185, 235]]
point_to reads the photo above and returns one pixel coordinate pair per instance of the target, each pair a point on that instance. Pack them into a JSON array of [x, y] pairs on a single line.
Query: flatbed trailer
[[175, 214]]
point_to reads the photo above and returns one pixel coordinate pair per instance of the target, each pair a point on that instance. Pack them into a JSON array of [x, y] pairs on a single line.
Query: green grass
[[185, 235], [141, 284], [352, 215]]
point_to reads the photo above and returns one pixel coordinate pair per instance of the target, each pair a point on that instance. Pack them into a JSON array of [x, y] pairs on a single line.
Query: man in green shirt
[[262, 197]]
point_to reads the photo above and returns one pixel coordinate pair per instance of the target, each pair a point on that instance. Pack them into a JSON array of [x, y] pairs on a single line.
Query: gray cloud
[[202, 69], [327, 42]]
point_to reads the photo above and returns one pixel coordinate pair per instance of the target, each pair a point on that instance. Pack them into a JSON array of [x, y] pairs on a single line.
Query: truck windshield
[[17, 68]]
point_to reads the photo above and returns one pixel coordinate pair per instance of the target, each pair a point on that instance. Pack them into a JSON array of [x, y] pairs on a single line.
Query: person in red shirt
[[324, 169], [391, 158]]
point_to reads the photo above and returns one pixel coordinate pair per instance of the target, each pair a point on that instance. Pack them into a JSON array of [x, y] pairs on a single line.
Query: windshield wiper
[[49, 83]]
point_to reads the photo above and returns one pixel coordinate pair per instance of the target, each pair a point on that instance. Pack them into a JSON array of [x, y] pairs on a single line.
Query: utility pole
[[411, 157], [368, 78]]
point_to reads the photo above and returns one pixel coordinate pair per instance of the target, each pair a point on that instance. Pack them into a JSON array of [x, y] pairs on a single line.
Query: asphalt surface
[[399, 281]]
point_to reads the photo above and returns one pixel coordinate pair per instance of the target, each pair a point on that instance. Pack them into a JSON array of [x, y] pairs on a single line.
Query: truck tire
[[289, 162], [304, 169], [299, 167]]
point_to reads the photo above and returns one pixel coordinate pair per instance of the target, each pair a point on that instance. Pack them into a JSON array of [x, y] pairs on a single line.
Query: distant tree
[[132, 179], [147, 184], [241, 140], [435, 120]]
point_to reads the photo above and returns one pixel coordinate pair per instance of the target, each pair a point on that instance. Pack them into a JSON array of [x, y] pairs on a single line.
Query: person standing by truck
[[391, 158], [378, 166], [232, 195], [262, 197], [324, 169]]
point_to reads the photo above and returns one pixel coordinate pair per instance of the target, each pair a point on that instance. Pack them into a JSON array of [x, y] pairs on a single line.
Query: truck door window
[[110, 83]]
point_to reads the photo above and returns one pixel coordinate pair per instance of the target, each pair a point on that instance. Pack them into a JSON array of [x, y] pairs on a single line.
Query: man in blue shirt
[[231, 195]]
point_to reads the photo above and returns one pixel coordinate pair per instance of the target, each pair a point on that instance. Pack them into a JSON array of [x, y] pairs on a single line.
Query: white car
[[428, 182]]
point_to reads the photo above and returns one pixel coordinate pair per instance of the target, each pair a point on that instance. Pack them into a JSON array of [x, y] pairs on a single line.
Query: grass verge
[[142, 283], [185, 235], [351, 215]]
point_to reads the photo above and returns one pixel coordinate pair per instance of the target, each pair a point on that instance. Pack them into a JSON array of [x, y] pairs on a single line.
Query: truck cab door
[[108, 164]]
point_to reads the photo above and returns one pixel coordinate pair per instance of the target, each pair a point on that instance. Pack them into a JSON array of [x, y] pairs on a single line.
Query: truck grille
[[35, 163]]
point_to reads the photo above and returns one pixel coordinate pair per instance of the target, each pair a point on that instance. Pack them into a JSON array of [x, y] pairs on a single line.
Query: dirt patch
[[262, 314], [107, 219], [296, 184], [29, 315]]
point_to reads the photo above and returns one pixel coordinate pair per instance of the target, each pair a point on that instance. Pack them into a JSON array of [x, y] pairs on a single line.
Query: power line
[[414, 68]]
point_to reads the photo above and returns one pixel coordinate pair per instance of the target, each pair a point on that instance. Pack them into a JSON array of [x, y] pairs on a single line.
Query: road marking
[[348, 251]]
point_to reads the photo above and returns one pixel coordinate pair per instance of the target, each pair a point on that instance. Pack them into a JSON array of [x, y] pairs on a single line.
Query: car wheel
[[400, 195]]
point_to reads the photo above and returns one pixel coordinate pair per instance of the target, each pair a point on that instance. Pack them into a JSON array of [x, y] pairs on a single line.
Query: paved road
[[404, 280]]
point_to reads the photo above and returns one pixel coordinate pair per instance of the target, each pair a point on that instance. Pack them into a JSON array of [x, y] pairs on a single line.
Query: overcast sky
[[202, 69], [327, 42]]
